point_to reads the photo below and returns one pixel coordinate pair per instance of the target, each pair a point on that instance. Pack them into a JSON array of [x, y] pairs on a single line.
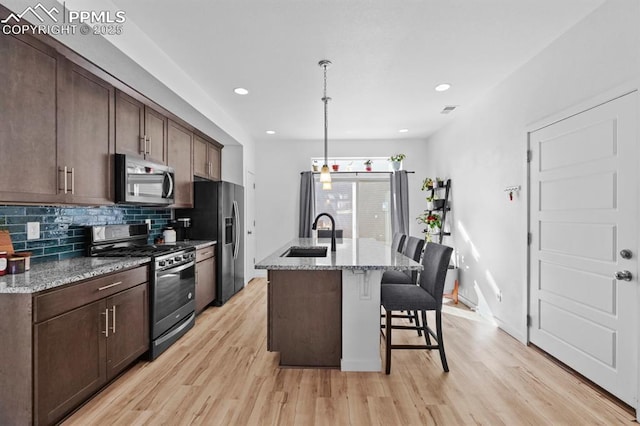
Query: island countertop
[[351, 254]]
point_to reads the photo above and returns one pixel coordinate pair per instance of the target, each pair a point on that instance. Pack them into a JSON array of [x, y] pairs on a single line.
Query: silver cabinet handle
[[109, 286], [147, 145], [106, 322], [113, 319], [206, 253], [73, 181], [63, 170], [143, 144]]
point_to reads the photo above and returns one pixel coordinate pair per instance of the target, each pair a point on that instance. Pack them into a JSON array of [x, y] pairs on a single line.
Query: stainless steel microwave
[[141, 182]]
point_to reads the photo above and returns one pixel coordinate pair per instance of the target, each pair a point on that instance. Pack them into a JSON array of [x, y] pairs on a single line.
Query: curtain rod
[[361, 171]]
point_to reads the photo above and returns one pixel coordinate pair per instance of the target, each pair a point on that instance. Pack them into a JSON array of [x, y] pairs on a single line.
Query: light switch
[[33, 230]]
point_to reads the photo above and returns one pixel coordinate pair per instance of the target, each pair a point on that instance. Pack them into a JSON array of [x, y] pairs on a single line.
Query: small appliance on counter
[[182, 226]]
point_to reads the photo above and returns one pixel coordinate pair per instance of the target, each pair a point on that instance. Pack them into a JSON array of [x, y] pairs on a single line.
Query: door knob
[[625, 254], [623, 275], [249, 232]]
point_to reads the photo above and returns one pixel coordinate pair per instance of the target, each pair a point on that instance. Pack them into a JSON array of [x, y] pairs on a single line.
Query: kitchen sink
[[313, 251]]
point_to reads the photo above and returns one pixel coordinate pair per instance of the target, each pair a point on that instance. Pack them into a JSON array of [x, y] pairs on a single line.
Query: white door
[[583, 213], [251, 227]]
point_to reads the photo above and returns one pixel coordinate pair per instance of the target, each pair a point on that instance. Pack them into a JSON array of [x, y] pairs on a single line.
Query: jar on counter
[[27, 258], [3, 262], [16, 265]]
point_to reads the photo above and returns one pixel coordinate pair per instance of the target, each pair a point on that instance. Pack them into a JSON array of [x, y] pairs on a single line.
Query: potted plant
[[315, 166], [427, 183], [396, 161], [430, 203], [433, 223], [367, 165]]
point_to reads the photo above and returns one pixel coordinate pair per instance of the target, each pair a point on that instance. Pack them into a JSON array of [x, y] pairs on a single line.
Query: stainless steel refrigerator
[[218, 214]]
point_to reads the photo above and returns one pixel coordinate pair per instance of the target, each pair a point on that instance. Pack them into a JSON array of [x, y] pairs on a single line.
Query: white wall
[[278, 170], [483, 151], [233, 164]]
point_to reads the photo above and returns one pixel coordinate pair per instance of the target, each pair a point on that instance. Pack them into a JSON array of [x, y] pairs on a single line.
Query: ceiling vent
[[448, 108]]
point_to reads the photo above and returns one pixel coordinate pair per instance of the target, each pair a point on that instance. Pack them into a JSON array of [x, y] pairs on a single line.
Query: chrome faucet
[[333, 228]]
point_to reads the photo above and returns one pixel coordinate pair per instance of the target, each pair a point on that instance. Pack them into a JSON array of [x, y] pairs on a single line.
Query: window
[[359, 204]]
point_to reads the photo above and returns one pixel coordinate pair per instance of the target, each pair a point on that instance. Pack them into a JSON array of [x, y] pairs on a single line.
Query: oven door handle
[[178, 269]]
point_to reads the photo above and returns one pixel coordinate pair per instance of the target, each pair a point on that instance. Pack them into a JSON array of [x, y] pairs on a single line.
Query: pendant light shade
[[325, 174]]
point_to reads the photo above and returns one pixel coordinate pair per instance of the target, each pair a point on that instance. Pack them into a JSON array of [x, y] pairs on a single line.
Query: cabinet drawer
[[205, 253], [56, 302]]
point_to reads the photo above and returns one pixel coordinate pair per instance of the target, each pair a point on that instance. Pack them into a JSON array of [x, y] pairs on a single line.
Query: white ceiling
[[388, 55]]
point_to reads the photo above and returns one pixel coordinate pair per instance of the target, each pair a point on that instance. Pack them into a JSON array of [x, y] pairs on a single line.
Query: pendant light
[[325, 174]]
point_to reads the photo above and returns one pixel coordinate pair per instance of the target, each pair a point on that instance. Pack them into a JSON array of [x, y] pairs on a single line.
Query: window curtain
[[399, 202], [307, 204]]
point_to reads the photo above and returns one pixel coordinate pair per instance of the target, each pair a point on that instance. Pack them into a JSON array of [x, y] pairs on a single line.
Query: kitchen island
[[325, 311]]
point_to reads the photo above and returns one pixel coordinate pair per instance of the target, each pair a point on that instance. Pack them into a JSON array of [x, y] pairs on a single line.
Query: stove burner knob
[[162, 263], [169, 261], [178, 258]]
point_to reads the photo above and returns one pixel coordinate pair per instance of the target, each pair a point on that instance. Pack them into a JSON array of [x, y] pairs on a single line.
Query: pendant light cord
[[325, 63]]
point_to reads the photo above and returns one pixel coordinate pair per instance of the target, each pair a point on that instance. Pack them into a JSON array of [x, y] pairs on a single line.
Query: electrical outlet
[[33, 230], [148, 222]]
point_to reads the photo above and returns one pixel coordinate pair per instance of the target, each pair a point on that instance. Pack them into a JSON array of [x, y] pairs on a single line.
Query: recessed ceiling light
[[270, 132], [403, 130], [442, 87], [241, 91]]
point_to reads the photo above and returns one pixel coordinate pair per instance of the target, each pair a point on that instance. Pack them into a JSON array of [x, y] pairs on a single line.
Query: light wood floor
[[222, 374]]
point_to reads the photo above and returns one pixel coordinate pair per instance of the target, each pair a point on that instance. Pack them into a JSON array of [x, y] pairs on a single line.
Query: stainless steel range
[[172, 283]]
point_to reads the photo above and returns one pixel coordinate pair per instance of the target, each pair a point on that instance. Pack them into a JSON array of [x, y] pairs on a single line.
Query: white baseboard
[[513, 332]]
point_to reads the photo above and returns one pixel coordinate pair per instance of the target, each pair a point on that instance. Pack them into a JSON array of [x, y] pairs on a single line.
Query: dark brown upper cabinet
[[180, 158], [56, 128], [206, 158], [86, 136], [140, 130], [28, 142]]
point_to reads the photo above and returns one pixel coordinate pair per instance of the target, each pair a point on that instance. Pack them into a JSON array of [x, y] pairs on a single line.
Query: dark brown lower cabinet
[[128, 328], [78, 351], [305, 317], [205, 277], [70, 360]]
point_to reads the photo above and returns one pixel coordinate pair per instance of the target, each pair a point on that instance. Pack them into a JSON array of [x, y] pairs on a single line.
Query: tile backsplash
[[62, 229]]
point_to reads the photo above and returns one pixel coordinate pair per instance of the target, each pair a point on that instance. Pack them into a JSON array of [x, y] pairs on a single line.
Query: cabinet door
[[214, 160], [128, 328], [205, 283], [129, 125], [180, 153], [200, 157], [155, 129], [86, 124], [28, 141], [69, 357]]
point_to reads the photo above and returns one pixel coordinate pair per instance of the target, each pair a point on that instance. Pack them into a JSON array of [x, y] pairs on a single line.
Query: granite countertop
[[358, 254], [48, 275]]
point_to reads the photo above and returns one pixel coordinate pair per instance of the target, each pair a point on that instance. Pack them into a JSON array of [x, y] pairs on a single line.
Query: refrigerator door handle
[[236, 219]]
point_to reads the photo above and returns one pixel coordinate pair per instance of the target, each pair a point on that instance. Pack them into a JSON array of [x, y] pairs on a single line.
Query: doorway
[[583, 256]]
